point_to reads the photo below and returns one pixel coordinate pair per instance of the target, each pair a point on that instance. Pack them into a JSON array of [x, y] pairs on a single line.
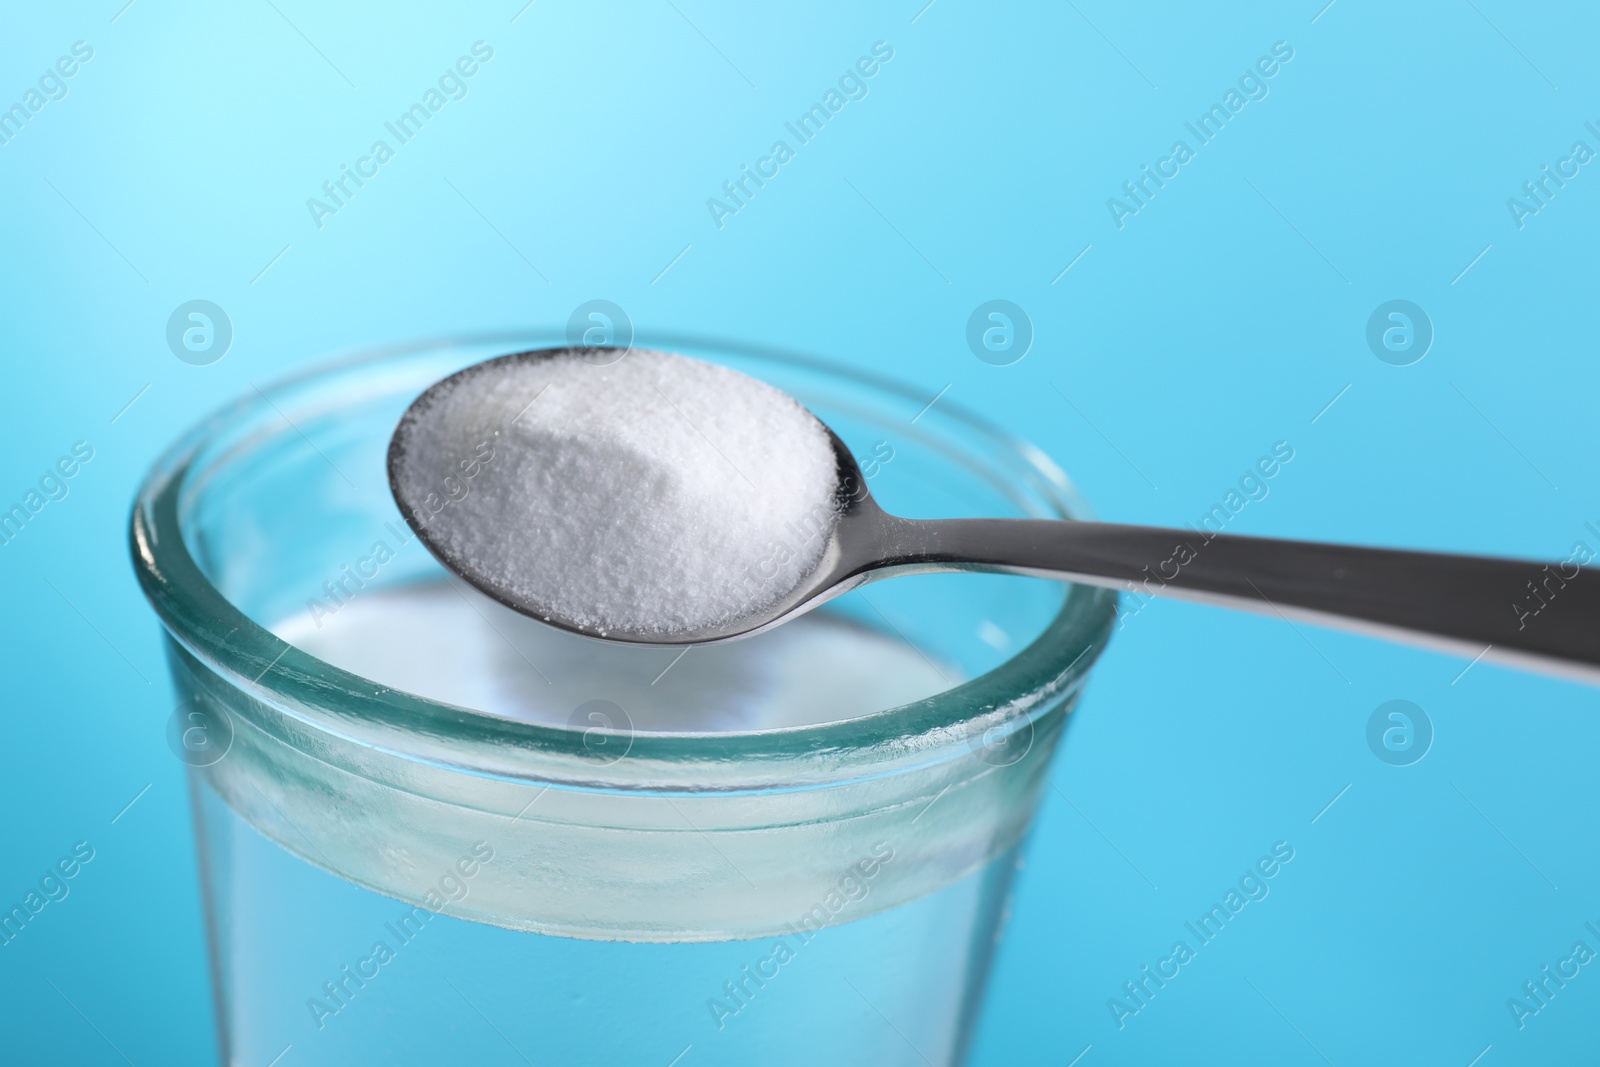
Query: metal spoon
[[1545, 616]]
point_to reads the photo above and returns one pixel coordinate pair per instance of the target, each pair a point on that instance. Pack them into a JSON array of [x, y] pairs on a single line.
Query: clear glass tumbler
[[452, 837]]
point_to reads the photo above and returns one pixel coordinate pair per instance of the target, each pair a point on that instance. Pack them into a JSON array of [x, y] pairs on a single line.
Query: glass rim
[[248, 656]]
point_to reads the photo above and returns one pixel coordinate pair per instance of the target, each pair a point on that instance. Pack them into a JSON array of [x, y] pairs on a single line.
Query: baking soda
[[658, 494]]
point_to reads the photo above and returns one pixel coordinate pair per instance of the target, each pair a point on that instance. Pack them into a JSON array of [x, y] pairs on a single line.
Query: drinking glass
[[459, 839]]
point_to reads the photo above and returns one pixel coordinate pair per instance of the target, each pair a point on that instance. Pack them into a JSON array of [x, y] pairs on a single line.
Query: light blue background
[[1223, 317]]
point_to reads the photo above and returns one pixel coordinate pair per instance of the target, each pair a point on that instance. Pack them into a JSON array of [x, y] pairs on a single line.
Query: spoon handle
[[1505, 609]]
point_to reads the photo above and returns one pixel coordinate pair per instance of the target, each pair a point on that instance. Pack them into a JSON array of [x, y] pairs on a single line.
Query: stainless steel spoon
[[1545, 616]]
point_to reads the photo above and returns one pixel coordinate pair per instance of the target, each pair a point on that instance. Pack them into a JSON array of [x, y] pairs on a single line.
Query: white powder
[[656, 494]]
